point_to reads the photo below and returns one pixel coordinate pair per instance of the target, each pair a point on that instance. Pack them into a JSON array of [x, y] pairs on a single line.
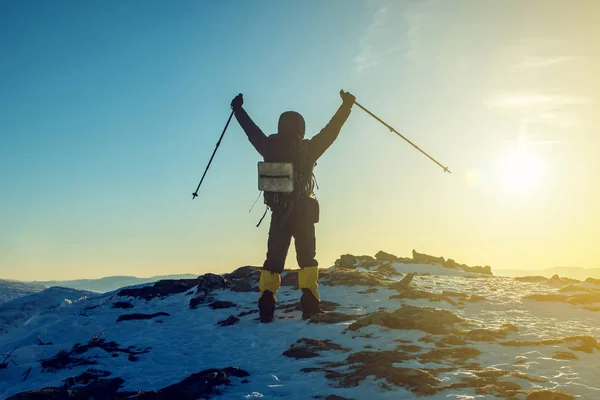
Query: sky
[[110, 111]]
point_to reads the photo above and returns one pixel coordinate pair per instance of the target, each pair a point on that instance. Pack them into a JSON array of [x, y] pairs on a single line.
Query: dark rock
[[64, 359], [308, 348], [586, 344], [101, 389], [344, 277], [383, 256], [427, 259], [426, 319], [290, 278], [549, 395], [531, 279], [136, 316], [404, 282], [565, 355], [232, 320], [162, 288], [457, 355], [123, 304], [217, 305], [487, 270], [199, 385], [576, 299], [244, 279], [249, 312], [333, 317], [387, 269], [203, 384], [488, 335], [347, 261]]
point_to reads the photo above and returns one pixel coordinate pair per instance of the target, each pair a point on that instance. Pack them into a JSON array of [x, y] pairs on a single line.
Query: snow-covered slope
[[25, 309], [442, 336], [10, 290], [109, 283]]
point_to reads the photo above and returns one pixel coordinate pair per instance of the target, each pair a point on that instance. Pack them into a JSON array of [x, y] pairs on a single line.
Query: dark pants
[[299, 224]]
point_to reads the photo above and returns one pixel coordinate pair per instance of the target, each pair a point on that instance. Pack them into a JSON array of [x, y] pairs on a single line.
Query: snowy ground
[[189, 340]]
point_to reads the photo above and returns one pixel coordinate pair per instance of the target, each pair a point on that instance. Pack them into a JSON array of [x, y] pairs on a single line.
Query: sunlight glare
[[520, 171]]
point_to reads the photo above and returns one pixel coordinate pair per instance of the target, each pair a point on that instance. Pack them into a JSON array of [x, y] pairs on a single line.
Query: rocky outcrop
[[576, 299], [426, 319], [138, 316], [232, 320], [308, 348], [420, 258], [202, 384], [161, 288], [244, 279]]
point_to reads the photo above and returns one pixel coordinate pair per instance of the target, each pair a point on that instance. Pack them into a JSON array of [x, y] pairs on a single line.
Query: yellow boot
[[268, 284], [308, 282]]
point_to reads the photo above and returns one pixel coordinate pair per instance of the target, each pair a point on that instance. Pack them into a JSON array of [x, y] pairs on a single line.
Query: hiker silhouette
[[294, 214]]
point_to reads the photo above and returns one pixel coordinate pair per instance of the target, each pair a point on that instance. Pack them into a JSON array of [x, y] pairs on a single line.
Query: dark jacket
[[289, 145]]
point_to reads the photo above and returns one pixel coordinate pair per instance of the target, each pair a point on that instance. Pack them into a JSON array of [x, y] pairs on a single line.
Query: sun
[[520, 171]]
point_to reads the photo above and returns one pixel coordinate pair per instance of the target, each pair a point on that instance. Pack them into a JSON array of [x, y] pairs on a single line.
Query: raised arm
[[322, 140], [255, 135]]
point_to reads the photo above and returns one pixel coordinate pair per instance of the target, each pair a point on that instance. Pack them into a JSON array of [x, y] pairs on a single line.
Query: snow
[[10, 290], [189, 340]]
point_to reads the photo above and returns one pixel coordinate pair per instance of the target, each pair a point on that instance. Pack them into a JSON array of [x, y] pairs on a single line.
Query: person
[[293, 214]]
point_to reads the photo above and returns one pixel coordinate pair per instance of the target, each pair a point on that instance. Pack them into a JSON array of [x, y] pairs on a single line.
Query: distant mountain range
[[567, 272], [10, 290], [110, 283]]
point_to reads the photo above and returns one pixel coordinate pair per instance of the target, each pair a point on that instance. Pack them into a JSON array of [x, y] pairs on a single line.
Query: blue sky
[[110, 111]]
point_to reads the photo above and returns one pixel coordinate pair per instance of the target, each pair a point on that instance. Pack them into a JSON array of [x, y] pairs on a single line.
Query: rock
[[244, 279], [123, 304], [388, 269], [576, 299], [383, 256], [291, 306], [404, 282], [426, 319], [487, 270], [217, 305], [207, 284], [332, 318], [99, 389], [488, 335], [593, 281], [344, 277], [549, 395], [586, 344], [232, 320], [365, 258], [290, 278], [381, 366], [202, 384], [565, 355], [308, 348], [162, 288], [136, 316], [427, 259], [347, 261], [533, 279], [457, 355]]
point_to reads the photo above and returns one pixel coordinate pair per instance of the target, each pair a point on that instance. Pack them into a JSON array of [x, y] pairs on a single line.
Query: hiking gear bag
[[276, 177]]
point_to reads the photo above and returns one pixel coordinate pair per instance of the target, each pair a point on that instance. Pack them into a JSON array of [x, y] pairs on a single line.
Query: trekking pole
[[402, 136], [195, 194]]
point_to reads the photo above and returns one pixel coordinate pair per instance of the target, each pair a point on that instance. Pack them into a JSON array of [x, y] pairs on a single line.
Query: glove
[[347, 98], [237, 102]]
